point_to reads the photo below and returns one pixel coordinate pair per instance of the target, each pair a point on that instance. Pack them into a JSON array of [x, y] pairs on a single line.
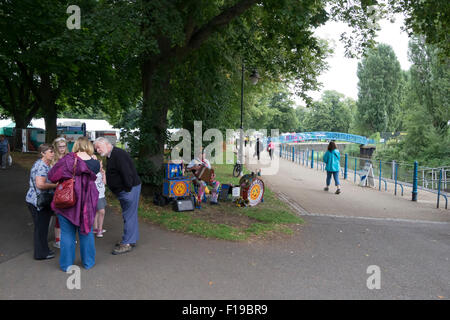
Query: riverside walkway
[[302, 187]]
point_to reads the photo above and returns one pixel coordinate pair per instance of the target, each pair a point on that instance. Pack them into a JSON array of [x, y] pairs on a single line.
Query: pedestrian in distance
[[331, 158], [122, 179], [38, 199], [258, 148], [271, 148], [4, 151], [80, 166]]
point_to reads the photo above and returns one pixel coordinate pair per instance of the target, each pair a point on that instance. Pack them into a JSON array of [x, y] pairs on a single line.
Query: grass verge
[[270, 219]]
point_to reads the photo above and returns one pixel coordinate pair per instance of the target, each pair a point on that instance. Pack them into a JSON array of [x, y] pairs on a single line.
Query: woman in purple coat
[[81, 216]]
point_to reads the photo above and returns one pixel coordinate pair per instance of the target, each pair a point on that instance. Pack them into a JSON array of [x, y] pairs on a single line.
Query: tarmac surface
[[328, 257]]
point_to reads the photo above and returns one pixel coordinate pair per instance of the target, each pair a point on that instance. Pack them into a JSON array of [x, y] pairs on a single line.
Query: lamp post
[[254, 77]]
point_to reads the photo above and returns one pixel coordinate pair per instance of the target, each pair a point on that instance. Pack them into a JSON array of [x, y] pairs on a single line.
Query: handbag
[[43, 199], [65, 192]]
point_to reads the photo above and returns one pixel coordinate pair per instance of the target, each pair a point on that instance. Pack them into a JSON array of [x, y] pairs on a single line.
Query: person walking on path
[[331, 158], [60, 147], [122, 179], [257, 148], [80, 165], [271, 148], [41, 212], [4, 151]]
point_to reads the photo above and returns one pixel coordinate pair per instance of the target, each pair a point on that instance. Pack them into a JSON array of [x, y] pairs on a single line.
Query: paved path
[[327, 258], [303, 187]]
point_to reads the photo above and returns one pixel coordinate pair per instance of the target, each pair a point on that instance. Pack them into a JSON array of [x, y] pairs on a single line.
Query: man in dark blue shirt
[[122, 179]]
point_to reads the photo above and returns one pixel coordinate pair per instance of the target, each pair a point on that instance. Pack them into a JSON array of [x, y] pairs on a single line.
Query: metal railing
[[399, 174]]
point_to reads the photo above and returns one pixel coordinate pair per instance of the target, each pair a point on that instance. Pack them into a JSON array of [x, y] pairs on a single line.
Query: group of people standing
[[56, 165]]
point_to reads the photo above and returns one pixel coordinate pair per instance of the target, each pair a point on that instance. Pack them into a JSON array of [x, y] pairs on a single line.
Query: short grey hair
[[102, 139]]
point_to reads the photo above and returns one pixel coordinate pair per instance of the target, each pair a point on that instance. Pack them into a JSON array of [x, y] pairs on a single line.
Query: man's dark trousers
[[129, 201]]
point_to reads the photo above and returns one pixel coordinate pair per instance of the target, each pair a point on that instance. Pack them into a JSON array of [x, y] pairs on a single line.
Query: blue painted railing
[[322, 135]]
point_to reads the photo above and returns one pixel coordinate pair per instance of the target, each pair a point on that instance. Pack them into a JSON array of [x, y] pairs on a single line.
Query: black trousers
[[41, 221]]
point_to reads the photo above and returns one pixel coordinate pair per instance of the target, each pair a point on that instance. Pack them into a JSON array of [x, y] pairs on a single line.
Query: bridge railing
[[392, 176]]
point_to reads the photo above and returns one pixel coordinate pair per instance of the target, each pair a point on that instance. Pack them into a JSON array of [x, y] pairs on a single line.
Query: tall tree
[[379, 85], [331, 113], [430, 81]]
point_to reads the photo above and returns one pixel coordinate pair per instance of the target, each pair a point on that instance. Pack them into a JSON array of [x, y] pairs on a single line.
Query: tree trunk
[[153, 122], [48, 105]]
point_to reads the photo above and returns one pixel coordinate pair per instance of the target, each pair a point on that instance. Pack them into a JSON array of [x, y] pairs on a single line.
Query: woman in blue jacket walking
[[332, 158]]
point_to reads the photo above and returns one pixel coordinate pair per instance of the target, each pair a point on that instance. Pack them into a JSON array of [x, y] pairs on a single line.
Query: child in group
[[101, 204]]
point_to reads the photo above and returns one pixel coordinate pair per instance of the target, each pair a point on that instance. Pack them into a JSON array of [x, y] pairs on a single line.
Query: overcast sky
[[341, 75]]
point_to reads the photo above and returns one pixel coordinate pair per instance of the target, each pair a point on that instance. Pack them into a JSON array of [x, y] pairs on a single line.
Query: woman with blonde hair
[[60, 147], [79, 218]]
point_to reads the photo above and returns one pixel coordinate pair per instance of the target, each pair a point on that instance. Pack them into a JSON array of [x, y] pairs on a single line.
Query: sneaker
[[57, 244], [338, 191], [119, 243], [325, 189], [122, 248], [99, 234]]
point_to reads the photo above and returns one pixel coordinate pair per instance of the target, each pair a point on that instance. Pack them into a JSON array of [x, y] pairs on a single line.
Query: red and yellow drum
[[252, 189]]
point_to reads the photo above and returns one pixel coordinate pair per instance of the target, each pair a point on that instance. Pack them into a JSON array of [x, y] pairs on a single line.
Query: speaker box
[[225, 191], [186, 204]]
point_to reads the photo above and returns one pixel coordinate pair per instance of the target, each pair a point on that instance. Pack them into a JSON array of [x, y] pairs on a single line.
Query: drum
[[252, 189]]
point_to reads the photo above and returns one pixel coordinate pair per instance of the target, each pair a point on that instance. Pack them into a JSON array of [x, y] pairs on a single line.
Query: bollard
[[356, 163], [312, 159], [346, 167], [414, 192]]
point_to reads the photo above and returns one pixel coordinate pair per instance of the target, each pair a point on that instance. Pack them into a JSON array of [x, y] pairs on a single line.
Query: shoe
[[50, 255], [122, 248], [99, 234], [95, 231], [119, 243], [338, 191], [325, 189], [57, 244]]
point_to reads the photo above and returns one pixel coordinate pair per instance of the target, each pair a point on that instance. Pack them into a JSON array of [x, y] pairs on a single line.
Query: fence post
[[312, 158], [395, 169], [356, 161], [346, 167], [414, 192], [439, 188], [293, 152], [379, 179]]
